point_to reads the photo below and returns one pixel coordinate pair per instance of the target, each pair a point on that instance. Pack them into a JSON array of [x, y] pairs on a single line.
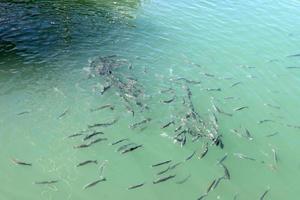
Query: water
[[46, 51]]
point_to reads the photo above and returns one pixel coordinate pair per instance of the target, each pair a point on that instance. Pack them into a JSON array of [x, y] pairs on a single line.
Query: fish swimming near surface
[[210, 187], [89, 136], [133, 126], [64, 113], [18, 162], [75, 135], [163, 171], [87, 162], [163, 179], [103, 124], [119, 141], [94, 183], [161, 163], [222, 159], [190, 156], [226, 171], [132, 149], [262, 197], [204, 152], [81, 146], [242, 156], [184, 180], [202, 196], [23, 113], [97, 140], [45, 182], [136, 186], [293, 55], [273, 134], [235, 84], [168, 124], [241, 108], [103, 107]]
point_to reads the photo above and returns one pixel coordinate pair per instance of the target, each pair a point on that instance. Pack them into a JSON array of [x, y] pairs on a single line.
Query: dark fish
[[75, 135], [175, 165], [94, 183], [136, 186], [204, 152], [235, 84], [209, 75], [22, 113], [81, 146], [262, 197], [293, 126], [45, 182], [92, 135], [119, 141], [132, 148], [202, 197], [97, 140], [273, 134], [169, 100], [184, 180], [222, 159], [248, 134], [240, 108], [163, 171], [211, 186], [166, 90], [103, 124], [125, 146], [87, 162], [217, 182], [163, 179], [168, 124], [133, 126], [218, 110], [188, 81], [190, 157], [226, 171], [213, 89], [293, 67], [294, 55], [103, 107], [18, 162], [64, 113], [161, 163], [265, 120], [275, 157], [178, 128]]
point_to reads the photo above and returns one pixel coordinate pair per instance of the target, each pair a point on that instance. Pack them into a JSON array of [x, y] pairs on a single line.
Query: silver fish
[[94, 183]]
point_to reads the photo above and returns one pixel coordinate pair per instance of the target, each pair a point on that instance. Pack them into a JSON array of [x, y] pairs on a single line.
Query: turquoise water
[[239, 51]]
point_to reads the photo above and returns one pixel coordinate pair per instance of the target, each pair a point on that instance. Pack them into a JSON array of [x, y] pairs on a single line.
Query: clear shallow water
[[46, 49]]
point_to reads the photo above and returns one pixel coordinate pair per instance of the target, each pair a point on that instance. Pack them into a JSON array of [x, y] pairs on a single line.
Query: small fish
[[189, 81], [45, 182], [175, 165], [163, 171], [18, 162], [210, 187], [235, 84], [94, 183], [103, 107], [222, 159], [23, 113], [217, 182], [161, 163], [202, 197], [273, 134], [240, 108], [89, 136], [166, 90], [242, 156], [132, 148], [204, 152], [191, 156], [75, 135], [136, 186], [163, 179], [209, 75], [262, 197], [275, 156], [265, 120], [184, 180], [248, 134], [293, 55], [125, 146], [168, 124], [103, 124], [272, 106], [119, 141], [81, 146], [213, 89], [97, 140], [226, 171], [87, 162], [133, 126], [63, 114], [169, 100]]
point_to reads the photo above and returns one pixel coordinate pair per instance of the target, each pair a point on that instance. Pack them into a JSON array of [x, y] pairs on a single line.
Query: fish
[[133, 126], [161, 163], [45, 182], [119, 141], [218, 110], [87, 162], [165, 178], [75, 135], [248, 134], [89, 136], [18, 162], [202, 196], [242, 156], [103, 107], [226, 171], [210, 187], [272, 106], [262, 197], [136, 186], [273, 134], [103, 124], [184, 180], [63, 114], [204, 152], [93, 183], [265, 120], [97, 140], [235, 84], [102, 166], [213, 89], [125, 146], [217, 182], [222, 159], [240, 108], [23, 113], [168, 124], [189, 81], [169, 100], [275, 157], [175, 165], [132, 148], [163, 171], [293, 67], [209, 75], [81, 146], [293, 55], [191, 156], [166, 90]]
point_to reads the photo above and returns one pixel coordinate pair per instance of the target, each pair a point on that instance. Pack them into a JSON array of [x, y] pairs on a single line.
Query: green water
[[46, 51]]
